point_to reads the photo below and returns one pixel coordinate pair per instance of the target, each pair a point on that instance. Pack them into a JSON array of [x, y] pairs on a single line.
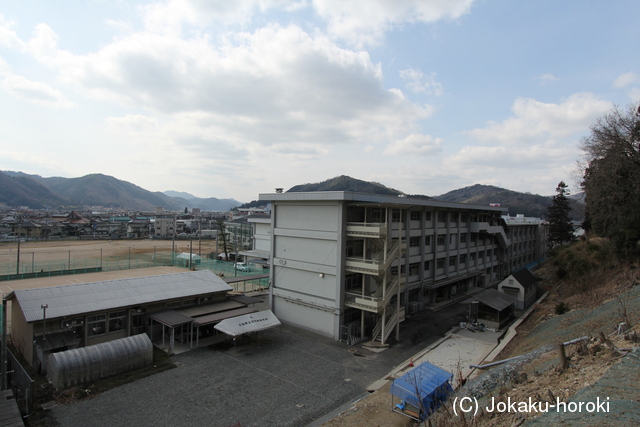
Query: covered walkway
[[192, 327]]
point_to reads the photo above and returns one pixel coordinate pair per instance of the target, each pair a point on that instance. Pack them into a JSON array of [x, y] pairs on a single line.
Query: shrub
[[562, 308]]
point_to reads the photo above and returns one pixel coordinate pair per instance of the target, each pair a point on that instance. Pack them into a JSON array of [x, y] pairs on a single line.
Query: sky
[[231, 99]]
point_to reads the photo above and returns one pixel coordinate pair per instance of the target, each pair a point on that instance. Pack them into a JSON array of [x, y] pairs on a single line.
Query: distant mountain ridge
[[531, 205], [20, 189], [346, 183]]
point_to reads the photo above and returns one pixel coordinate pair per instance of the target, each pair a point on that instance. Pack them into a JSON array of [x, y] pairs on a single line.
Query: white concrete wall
[[262, 236], [306, 279]]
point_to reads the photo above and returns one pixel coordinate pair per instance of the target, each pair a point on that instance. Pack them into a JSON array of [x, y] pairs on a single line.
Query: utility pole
[[44, 320], [4, 361], [173, 242], [18, 258]]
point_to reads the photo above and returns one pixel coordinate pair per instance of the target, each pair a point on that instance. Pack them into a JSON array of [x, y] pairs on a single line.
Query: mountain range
[[20, 189], [530, 205]]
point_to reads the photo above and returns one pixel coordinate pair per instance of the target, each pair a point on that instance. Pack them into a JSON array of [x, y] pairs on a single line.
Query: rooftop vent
[[278, 190]]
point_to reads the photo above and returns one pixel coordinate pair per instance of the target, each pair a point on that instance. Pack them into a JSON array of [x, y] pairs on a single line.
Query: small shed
[[421, 391], [186, 256], [494, 308], [522, 285], [53, 343]]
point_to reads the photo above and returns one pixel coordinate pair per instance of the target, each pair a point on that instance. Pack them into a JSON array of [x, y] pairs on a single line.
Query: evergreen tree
[[558, 217]]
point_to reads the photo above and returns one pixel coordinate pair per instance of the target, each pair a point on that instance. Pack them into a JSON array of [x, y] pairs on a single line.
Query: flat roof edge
[[369, 198]]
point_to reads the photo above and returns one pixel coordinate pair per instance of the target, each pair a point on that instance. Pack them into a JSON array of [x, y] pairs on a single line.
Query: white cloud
[[417, 81], [8, 37], [415, 144], [625, 80], [364, 22], [277, 86], [170, 17], [547, 78], [534, 120], [531, 151], [34, 92]]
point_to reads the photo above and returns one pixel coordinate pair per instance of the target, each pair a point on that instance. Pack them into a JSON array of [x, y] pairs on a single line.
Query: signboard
[[248, 323]]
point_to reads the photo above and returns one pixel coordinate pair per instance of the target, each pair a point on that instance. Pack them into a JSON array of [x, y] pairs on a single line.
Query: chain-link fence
[[32, 264], [19, 380], [29, 266]]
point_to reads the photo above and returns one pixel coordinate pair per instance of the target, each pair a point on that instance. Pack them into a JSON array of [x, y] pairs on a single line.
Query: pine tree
[[558, 217]]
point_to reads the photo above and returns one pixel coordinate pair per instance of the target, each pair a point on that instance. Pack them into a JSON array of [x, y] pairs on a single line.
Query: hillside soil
[[616, 300]]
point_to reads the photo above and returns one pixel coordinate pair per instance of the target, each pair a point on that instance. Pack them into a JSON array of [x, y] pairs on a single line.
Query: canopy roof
[[248, 323]]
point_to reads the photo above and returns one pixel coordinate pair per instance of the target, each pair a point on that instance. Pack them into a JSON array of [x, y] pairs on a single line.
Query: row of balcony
[[375, 302]]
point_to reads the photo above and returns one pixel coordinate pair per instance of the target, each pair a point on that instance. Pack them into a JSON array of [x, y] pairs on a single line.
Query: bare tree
[[611, 178]]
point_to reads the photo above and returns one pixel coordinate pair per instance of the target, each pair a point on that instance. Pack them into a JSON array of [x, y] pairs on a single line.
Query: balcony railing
[[376, 302], [367, 229], [378, 265]]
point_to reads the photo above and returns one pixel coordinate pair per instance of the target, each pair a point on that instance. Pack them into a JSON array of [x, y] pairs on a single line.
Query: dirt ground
[[62, 249]]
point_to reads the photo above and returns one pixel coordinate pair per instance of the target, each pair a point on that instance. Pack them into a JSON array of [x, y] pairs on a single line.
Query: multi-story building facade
[[528, 240], [352, 265]]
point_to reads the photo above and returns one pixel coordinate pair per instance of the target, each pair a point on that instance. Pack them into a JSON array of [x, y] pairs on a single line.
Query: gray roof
[[492, 298], [349, 196], [75, 299], [525, 277]]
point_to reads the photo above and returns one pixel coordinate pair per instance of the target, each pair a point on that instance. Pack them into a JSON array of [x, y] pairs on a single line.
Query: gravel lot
[[286, 377]]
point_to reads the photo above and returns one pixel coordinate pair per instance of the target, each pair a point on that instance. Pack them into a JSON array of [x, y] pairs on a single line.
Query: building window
[[440, 263], [172, 304], [427, 240], [97, 325], [117, 321], [452, 261], [427, 265], [414, 269], [463, 258], [395, 216], [427, 216], [414, 241], [415, 215], [442, 216], [440, 240], [138, 319]]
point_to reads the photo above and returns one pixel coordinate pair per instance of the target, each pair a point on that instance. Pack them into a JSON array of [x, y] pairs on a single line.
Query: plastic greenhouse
[[87, 364]]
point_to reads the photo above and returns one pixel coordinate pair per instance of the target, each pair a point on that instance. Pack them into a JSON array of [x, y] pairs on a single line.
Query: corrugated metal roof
[[492, 298], [201, 310], [170, 318], [70, 300], [216, 317]]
